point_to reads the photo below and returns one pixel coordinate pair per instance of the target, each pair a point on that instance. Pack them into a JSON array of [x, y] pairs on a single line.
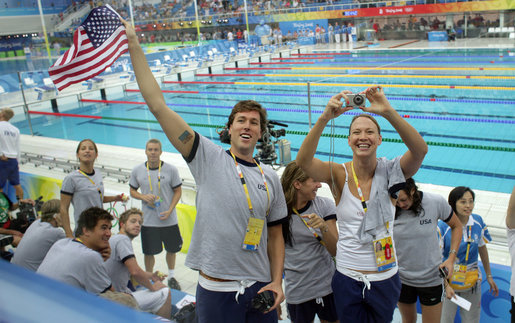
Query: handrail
[[121, 174]]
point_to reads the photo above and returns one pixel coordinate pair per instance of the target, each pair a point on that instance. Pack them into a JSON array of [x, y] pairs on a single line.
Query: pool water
[[461, 101]]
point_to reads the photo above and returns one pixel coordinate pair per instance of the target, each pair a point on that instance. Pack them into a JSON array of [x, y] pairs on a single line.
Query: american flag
[[97, 43]]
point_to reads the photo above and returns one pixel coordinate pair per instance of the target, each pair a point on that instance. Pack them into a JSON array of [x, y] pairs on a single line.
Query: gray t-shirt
[[416, 241], [170, 179], [308, 266], [37, 240], [71, 262], [121, 250], [84, 193], [223, 213]]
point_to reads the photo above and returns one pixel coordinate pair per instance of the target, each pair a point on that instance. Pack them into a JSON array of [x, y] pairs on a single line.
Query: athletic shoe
[[174, 284]]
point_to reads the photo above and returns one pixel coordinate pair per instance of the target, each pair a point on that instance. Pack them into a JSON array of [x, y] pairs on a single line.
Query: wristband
[[453, 251], [489, 276]]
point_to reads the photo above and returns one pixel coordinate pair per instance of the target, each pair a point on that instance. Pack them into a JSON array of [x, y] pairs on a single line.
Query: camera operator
[[40, 236], [9, 226]]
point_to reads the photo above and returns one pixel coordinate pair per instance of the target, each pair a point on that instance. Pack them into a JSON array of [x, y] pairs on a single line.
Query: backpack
[[187, 314]]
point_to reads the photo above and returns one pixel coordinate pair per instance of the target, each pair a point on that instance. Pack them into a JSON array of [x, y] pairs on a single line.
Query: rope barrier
[[291, 132], [444, 87], [303, 95], [476, 77]]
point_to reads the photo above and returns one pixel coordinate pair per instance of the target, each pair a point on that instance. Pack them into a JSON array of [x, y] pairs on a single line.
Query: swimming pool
[[461, 101]]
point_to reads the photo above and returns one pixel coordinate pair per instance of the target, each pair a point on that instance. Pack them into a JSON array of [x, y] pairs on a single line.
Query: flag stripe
[[93, 64], [92, 71], [85, 59], [97, 43]]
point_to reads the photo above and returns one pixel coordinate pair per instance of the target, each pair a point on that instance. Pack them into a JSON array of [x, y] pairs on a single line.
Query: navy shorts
[[9, 171], [153, 238], [376, 306], [429, 296], [222, 306], [305, 312]]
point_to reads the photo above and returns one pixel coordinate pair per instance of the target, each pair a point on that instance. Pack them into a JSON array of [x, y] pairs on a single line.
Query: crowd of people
[[346, 259]]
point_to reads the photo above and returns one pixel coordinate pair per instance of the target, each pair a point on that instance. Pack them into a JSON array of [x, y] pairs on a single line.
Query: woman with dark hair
[[83, 188], [310, 237], [416, 219], [466, 278]]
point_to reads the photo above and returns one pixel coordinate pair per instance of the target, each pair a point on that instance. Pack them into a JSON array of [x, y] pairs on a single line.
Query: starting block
[[94, 83]]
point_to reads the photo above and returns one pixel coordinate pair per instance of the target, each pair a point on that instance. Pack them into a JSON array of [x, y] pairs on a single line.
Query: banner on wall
[[35, 186], [436, 8], [295, 26], [430, 8]]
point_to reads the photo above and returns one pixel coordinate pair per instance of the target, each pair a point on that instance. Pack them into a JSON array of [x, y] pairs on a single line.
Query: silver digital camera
[[356, 100]]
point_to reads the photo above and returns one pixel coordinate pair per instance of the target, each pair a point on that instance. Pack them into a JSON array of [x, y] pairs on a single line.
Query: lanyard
[[238, 168], [158, 179], [363, 203], [469, 233], [92, 182], [310, 228]]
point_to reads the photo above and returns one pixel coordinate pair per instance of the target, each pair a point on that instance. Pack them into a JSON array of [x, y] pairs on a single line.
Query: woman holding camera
[[83, 188], [366, 284], [416, 223], [466, 278], [310, 238]]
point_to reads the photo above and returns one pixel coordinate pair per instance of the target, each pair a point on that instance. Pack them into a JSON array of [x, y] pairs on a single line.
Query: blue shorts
[[305, 312], [376, 306], [222, 306], [9, 171]]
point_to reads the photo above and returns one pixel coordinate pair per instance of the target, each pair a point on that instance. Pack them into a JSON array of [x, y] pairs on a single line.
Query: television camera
[[28, 212], [266, 144]]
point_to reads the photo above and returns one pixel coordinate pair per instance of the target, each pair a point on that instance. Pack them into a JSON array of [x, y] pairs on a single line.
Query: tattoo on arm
[[185, 137]]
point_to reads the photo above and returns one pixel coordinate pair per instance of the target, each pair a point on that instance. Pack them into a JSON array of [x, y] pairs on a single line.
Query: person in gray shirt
[[159, 186], [80, 262], [237, 244], [84, 187], [122, 264], [40, 236], [418, 251], [310, 238]]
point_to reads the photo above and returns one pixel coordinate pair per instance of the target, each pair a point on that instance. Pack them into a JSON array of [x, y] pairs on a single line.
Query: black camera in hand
[[443, 272], [29, 212], [263, 302], [356, 100]]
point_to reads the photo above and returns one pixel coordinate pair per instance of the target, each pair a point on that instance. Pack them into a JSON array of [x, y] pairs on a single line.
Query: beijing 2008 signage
[[470, 6]]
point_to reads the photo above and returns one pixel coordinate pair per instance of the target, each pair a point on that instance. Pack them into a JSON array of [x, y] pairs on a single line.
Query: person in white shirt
[[9, 152]]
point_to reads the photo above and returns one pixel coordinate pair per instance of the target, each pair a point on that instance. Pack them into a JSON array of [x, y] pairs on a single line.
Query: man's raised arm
[[176, 129]]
